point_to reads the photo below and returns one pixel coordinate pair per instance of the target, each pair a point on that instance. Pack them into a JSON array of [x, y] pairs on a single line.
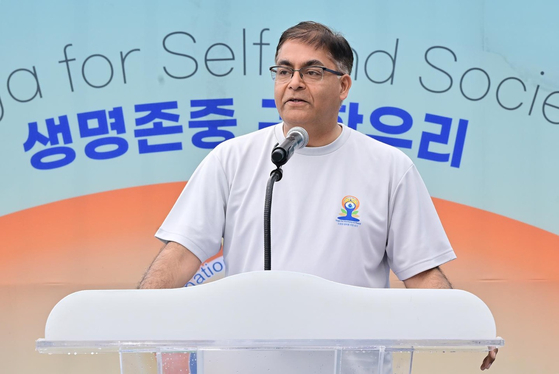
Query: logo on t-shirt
[[348, 215]]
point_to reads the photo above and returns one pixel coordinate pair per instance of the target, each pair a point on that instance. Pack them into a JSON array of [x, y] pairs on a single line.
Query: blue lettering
[[215, 265]]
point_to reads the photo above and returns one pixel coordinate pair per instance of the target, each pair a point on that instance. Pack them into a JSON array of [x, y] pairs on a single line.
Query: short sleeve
[[416, 238], [197, 219]]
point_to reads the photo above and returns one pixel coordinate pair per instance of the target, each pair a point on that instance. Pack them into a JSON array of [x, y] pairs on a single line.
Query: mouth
[[295, 101]]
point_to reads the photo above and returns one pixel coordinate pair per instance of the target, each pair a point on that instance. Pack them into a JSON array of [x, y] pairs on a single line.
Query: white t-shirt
[[346, 212]]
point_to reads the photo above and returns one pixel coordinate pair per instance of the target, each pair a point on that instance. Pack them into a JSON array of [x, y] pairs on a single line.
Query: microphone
[[296, 138]]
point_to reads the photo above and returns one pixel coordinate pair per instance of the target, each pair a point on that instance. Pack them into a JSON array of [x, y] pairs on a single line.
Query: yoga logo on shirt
[[349, 215]]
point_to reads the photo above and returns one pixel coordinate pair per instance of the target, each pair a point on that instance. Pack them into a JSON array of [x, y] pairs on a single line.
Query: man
[[348, 208]]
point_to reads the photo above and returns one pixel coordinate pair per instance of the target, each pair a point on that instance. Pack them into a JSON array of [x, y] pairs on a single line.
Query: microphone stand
[[296, 138], [275, 176]]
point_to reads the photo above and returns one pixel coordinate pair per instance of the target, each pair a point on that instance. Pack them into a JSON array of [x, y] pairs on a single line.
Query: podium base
[[268, 361]]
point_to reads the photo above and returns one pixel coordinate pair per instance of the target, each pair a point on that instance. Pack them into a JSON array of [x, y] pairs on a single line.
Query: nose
[[296, 81]]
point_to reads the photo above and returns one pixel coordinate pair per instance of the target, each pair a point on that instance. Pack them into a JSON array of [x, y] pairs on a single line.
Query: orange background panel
[[493, 247], [104, 237]]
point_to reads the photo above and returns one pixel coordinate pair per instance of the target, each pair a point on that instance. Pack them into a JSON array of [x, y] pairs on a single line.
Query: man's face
[[309, 104]]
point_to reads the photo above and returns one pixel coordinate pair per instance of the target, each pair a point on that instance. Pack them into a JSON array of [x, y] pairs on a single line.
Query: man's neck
[[318, 135]]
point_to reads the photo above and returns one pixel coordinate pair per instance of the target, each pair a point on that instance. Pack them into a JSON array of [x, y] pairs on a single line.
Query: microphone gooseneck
[[275, 176]]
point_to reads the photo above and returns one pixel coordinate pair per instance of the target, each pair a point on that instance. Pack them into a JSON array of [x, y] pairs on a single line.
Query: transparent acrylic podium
[[269, 322]]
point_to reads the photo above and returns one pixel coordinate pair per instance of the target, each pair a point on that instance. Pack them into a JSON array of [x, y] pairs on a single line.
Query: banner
[[107, 108]]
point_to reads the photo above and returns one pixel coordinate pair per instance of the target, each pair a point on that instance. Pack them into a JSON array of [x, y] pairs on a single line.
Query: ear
[[345, 85]]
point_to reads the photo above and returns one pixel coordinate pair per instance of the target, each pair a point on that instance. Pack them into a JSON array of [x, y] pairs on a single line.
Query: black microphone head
[[279, 156]]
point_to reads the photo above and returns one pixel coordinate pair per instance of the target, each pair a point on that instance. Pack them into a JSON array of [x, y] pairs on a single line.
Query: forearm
[[173, 267], [433, 278]]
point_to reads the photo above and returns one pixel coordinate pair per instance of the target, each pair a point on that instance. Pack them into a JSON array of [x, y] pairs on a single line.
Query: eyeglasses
[[283, 74]]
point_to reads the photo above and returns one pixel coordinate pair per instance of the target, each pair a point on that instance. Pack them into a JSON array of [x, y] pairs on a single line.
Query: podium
[[269, 322]]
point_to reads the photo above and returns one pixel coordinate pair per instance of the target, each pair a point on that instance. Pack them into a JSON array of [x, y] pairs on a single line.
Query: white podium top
[[267, 307]]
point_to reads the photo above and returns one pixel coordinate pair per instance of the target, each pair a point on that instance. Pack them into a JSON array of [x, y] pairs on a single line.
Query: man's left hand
[[488, 361]]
